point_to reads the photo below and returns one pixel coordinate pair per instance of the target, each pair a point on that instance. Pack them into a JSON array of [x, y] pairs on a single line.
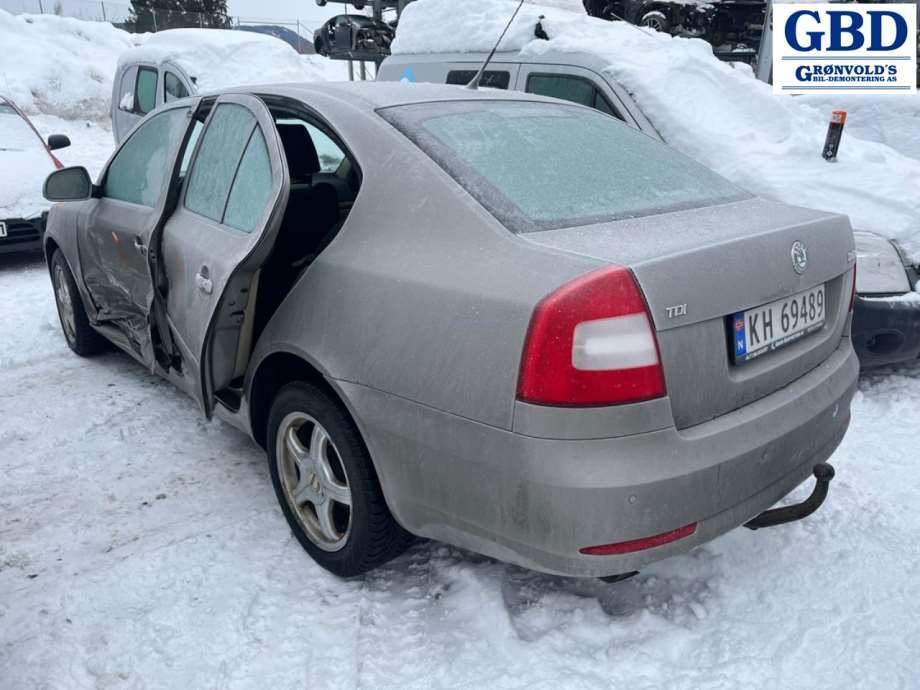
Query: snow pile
[[719, 115], [218, 59], [24, 164], [59, 65], [65, 67]]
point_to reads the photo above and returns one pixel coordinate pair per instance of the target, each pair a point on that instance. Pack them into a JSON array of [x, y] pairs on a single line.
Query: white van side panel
[[434, 67]]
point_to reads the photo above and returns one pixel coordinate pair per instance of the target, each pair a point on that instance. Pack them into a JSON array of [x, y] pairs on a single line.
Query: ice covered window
[[252, 188], [215, 164], [538, 166], [139, 169]]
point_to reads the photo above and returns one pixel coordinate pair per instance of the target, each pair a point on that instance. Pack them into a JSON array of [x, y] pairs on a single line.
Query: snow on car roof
[[719, 114], [217, 59]]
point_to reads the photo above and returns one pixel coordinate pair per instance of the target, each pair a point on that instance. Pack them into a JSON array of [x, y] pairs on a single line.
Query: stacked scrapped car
[[733, 27], [354, 37]]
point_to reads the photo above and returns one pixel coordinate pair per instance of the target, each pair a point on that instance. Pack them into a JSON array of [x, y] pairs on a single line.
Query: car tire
[[657, 20], [317, 459], [80, 336]]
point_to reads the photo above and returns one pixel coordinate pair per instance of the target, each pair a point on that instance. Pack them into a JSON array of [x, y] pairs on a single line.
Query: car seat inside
[[324, 182]]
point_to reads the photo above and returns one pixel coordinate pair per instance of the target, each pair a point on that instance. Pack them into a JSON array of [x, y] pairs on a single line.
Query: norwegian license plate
[[2, 229], [774, 325]]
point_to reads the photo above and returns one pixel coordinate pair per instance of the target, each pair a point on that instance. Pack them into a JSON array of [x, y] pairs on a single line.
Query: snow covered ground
[[142, 547]]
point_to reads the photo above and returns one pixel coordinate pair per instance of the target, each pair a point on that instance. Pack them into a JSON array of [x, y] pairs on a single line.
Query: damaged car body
[[428, 337]]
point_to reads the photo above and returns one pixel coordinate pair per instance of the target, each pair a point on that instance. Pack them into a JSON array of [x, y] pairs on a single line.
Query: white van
[[576, 77], [177, 63], [143, 85]]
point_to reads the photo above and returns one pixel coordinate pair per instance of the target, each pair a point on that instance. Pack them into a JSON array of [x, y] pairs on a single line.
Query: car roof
[[549, 55], [372, 95]]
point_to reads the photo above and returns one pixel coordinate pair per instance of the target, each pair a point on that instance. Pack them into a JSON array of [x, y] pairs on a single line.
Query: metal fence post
[[154, 12]]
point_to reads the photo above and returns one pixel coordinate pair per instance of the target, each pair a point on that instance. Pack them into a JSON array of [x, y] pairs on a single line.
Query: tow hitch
[[823, 472]]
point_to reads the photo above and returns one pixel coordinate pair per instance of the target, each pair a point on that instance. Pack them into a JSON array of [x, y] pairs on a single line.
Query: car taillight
[[853, 290], [591, 342]]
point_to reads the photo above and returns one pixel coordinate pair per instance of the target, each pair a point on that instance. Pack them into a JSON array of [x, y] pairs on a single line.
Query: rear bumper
[[886, 329], [535, 501], [22, 235]]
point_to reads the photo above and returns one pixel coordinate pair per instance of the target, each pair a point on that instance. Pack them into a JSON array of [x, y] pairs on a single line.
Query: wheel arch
[[271, 374], [282, 367], [49, 248]]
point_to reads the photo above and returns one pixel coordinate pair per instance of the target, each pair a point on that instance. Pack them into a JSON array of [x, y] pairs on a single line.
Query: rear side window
[[173, 88], [538, 166], [139, 168], [252, 187], [570, 88], [495, 79], [145, 90], [214, 168]]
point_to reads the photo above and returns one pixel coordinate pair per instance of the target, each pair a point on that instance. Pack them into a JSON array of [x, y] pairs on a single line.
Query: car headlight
[[880, 268]]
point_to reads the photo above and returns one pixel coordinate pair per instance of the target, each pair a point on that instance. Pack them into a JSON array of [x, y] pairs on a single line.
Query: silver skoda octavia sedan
[[498, 320]]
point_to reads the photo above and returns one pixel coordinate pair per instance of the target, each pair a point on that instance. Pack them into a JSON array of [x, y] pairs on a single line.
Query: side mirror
[[58, 141], [68, 184]]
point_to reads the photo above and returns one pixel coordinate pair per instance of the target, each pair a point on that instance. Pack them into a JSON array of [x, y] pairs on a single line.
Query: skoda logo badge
[[799, 257]]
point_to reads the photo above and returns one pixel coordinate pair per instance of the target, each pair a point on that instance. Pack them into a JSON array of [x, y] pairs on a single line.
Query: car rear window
[[539, 166]]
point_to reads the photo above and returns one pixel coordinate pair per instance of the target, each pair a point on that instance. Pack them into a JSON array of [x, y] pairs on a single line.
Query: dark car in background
[[733, 27], [25, 160], [354, 37]]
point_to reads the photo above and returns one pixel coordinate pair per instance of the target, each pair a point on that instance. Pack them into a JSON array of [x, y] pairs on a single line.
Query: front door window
[[139, 169]]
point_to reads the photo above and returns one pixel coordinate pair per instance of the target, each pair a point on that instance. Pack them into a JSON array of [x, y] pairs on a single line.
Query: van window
[[494, 79], [173, 88], [571, 88], [145, 90]]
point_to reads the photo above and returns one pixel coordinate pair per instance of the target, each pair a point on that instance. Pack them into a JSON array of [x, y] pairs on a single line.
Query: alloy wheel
[[64, 304], [314, 481]]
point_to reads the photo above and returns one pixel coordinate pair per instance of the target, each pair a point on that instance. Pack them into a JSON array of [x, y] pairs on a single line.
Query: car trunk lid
[[699, 268]]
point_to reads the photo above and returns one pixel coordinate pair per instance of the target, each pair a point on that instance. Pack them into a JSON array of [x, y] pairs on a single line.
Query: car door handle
[[203, 280], [140, 246]]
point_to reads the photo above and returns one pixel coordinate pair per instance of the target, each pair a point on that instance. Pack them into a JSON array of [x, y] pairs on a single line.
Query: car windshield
[[15, 133], [539, 166]]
